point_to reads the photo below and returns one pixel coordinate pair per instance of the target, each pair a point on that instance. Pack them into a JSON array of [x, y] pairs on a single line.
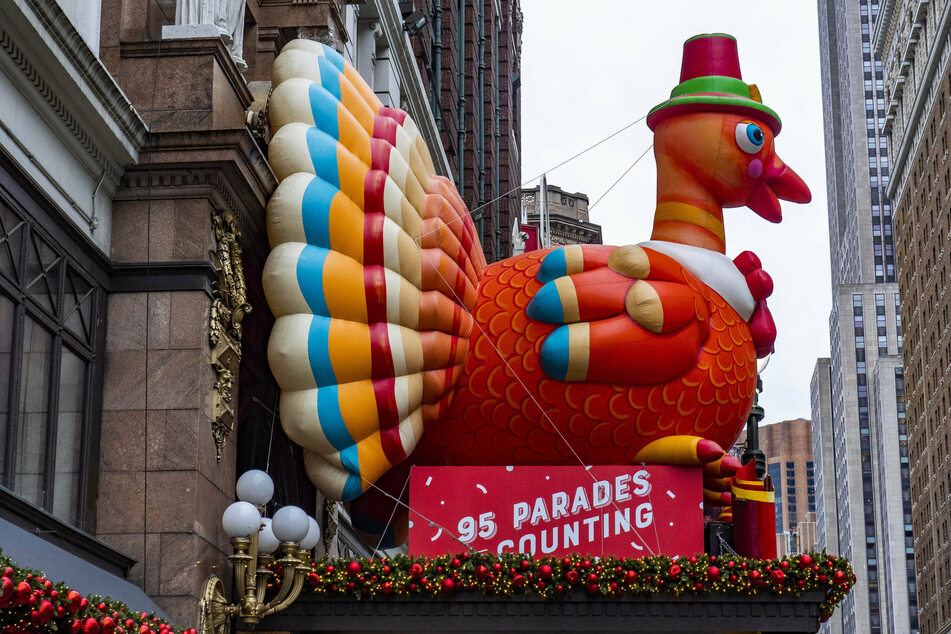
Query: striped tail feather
[[373, 270]]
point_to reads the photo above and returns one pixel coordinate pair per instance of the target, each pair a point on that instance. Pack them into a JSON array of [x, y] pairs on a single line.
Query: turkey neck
[[686, 212]]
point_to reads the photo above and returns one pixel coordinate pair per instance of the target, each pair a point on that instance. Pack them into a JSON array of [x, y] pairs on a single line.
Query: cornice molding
[[90, 68], [227, 166], [80, 66], [57, 106]]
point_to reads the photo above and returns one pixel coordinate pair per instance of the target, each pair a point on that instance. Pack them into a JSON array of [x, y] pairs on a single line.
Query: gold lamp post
[[254, 539]]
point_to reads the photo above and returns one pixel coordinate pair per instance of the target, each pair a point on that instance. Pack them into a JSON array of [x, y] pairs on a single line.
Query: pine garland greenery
[[518, 575], [31, 603]]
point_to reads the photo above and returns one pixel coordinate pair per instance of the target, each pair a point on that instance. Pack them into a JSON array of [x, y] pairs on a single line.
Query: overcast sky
[[590, 68]]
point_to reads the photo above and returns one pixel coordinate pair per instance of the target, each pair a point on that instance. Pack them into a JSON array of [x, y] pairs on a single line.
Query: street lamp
[[254, 539], [753, 452]]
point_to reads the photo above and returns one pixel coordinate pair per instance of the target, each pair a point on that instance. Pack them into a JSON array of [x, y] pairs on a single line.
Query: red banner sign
[[553, 511]]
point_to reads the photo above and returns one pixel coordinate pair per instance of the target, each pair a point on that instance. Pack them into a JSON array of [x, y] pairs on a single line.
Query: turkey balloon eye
[[749, 137]]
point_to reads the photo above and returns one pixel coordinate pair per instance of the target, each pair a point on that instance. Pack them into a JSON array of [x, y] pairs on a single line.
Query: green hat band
[[712, 83]]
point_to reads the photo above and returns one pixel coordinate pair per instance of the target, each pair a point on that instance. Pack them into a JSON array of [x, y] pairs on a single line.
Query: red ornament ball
[[518, 581], [805, 561], [481, 572], [545, 571], [415, 571], [674, 571], [353, 568], [448, 585], [777, 576], [526, 564], [91, 626], [713, 573], [572, 577]]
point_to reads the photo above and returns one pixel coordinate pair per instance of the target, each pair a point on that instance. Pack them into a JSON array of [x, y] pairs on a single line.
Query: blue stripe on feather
[[323, 106], [315, 211], [335, 57], [310, 278], [329, 76], [318, 351], [323, 153]]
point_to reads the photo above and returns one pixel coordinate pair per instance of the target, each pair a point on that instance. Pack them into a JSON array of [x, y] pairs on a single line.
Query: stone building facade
[[569, 215], [790, 465], [870, 467], [913, 38], [134, 175]]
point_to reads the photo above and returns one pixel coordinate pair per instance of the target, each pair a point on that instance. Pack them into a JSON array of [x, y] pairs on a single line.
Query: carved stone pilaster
[[229, 308]]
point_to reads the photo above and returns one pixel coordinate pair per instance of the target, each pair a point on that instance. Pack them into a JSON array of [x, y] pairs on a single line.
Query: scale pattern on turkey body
[[494, 420]]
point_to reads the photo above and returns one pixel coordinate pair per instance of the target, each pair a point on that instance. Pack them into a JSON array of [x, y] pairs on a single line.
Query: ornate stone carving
[[229, 308]]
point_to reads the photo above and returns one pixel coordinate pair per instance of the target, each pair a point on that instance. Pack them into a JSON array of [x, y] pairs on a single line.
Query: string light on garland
[[31, 603], [512, 574]]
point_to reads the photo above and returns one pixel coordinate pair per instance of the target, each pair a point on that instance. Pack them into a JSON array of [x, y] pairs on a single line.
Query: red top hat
[[710, 80]]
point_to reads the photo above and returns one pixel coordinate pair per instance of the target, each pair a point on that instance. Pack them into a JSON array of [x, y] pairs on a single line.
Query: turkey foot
[[694, 451]]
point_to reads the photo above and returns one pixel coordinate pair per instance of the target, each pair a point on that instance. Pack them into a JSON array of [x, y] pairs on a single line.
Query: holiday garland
[[511, 574], [31, 603]]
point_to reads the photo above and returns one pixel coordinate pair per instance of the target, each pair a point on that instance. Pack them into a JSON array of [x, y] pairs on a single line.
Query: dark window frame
[[77, 255]]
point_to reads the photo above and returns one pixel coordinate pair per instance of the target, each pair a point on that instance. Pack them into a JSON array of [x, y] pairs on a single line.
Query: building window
[[50, 326]]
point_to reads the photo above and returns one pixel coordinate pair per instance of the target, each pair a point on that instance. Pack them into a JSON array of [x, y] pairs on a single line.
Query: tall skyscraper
[[912, 38], [823, 456], [868, 468], [790, 465]]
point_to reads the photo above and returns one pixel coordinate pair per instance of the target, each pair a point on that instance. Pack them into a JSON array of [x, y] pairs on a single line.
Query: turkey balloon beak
[[779, 181]]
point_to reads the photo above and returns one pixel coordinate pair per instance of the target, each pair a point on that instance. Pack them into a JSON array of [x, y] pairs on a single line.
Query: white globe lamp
[[267, 542], [255, 486], [313, 535], [290, 524], [240, 519]]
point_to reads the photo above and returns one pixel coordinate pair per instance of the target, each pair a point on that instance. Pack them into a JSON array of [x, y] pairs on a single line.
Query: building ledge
[[576, 612], [69, 82]]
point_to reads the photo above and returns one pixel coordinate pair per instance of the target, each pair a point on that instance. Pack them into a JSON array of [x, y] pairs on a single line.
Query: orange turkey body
[[497, 417]]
